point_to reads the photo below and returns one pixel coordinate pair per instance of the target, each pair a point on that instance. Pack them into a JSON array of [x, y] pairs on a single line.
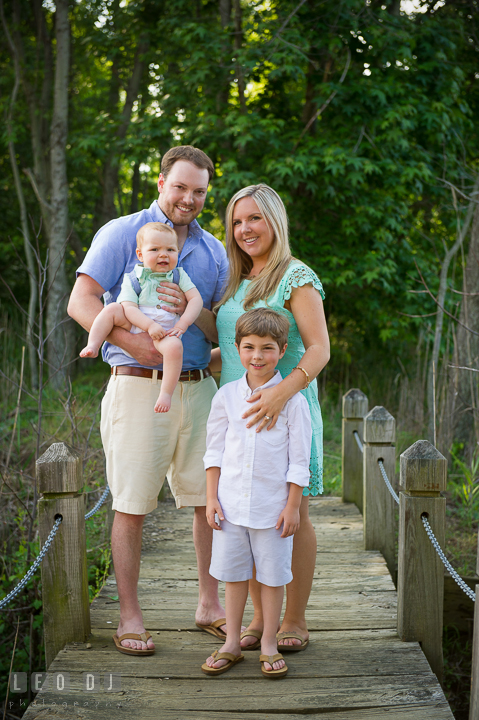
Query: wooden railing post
[[474, 704], [355, 407], [378, 512], [420, 570], [66, 609]]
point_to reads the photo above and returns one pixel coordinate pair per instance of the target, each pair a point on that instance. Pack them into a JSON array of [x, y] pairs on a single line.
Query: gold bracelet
[[306, 374]]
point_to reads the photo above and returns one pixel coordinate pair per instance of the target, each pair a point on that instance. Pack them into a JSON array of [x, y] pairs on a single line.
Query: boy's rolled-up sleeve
[[300, 435], [216, 432]]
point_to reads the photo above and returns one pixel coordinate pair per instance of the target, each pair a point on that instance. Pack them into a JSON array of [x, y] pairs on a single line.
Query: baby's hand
[[290, 520], [213, 508], [177, 331], [155, 331]]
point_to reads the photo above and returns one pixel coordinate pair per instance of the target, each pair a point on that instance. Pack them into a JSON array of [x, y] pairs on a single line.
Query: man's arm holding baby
[[192, 310], [85, 304], [205, 320], [213, 506]]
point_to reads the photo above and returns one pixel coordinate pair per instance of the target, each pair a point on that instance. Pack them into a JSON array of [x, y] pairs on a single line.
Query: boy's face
[[159, 251], [259, 356]]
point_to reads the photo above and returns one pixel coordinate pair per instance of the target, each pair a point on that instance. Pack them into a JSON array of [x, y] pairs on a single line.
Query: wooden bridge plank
[[356, 668], [243, 695], [339, 654]]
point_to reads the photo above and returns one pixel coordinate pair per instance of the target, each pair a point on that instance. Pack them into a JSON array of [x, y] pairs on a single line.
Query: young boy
[[137, 308], [254, 487]]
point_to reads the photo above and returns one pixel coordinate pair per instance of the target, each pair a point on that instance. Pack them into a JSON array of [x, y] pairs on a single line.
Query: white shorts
[[236, 548], [164, 318]]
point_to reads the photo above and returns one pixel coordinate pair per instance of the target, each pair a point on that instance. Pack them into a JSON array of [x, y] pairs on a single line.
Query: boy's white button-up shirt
[[256, 467]]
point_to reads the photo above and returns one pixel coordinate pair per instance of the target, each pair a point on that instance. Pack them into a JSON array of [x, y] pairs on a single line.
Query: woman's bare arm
[[308, 311]]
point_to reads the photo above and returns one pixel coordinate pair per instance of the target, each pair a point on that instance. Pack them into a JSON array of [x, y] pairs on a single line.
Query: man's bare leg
[[126, 537], [209, 607]]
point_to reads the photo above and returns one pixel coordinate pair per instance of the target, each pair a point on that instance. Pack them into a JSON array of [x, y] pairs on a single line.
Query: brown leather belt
[[186, 375]]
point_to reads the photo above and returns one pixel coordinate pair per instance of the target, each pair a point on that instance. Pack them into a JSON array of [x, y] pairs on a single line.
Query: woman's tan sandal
[[291, 648], [272, 674], [133, 636], [214, 628], [252, 633], [232, 660]]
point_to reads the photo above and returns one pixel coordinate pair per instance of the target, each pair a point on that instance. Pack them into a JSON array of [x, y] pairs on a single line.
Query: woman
[[264, 273]]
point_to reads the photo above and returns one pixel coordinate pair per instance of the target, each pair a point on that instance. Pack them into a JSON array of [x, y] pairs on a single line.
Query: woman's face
[[252, 231]]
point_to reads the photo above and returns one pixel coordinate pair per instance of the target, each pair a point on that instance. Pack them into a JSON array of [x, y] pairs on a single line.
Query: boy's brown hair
[[190, 154], [158, 227], [262, 322]]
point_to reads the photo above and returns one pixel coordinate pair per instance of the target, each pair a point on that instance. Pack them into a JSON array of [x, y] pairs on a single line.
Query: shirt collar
[[246, 390], [142, 272], [194, 227]]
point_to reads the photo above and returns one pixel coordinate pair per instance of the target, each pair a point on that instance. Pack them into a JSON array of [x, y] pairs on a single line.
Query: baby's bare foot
[[89, 351], [163, 403]]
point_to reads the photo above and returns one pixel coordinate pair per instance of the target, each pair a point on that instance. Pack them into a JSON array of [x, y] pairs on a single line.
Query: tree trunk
[[60, 337], [440, 300], [466, 416], [237, 46], [30, 261], [111, 166]]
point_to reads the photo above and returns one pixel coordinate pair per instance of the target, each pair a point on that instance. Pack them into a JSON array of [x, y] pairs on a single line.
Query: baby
[[137, 307]]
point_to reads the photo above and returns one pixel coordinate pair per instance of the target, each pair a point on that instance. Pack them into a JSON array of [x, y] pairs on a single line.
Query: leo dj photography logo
[[60, 682]]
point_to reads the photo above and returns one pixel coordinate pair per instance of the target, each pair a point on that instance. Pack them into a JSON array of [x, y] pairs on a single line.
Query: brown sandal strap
[[287, 635], [271, 658], [134, 636], [253, 633]]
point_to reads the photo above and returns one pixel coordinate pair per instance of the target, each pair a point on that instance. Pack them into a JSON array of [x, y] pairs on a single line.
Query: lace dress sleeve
[[298, 276]]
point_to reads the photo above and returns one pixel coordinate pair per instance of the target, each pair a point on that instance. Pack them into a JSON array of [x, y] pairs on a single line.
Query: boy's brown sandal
[[272, 674], [232, 660]]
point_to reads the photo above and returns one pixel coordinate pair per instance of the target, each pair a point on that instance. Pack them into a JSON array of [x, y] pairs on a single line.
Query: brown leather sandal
[[132, 636], [272, 674]]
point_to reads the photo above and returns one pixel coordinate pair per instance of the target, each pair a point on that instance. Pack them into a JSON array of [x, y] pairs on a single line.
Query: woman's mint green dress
[[296, 275]]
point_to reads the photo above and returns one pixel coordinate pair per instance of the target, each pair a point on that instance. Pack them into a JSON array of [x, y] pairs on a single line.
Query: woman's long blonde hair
[[274, 212]]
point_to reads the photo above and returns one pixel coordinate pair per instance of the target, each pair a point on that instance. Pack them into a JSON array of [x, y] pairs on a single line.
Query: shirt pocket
[[277, 435]]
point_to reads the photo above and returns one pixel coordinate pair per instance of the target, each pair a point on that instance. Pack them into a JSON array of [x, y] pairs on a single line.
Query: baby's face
[[158, 252]]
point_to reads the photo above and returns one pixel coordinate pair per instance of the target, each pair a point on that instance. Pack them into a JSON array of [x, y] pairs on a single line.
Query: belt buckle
[[189, 376]]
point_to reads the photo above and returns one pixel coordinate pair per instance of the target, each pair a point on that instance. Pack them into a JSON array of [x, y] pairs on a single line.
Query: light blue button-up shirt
[[203, 257]]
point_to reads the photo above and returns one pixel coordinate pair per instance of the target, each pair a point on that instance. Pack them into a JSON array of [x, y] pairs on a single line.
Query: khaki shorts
[[142, 447]]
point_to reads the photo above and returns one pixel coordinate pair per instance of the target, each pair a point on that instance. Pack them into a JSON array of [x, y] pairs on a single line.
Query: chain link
[[386, 480], [46, 548], [35, 565], [100, 502], [464, 586], [358, 440]]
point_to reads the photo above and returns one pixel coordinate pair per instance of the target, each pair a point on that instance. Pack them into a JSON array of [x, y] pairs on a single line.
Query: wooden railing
[[423, 470]]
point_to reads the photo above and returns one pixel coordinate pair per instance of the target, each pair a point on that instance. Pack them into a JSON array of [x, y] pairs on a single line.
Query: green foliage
[[465, 486]]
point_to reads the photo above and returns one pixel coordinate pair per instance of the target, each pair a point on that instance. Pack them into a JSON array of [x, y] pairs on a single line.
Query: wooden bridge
[[355, 667]]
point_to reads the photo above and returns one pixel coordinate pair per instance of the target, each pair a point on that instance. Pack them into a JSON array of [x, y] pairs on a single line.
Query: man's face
[[183, 192]]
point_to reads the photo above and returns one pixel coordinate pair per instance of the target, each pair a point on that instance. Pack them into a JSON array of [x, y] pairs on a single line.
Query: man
[[141, 446]]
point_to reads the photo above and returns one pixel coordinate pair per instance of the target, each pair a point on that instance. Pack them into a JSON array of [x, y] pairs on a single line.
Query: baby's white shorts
[[166, 319], [236, 548]]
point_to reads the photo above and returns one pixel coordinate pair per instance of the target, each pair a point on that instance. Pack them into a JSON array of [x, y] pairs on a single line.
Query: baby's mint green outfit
[[295, 276], [149, 283]]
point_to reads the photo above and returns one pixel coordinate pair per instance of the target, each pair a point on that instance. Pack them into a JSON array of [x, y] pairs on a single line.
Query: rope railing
[[46, 546], [455, 576], [358, 440]]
